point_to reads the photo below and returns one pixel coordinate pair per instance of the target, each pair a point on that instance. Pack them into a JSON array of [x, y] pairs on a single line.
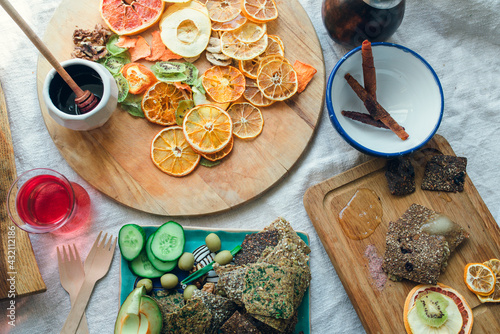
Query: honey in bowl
[[362, 214]]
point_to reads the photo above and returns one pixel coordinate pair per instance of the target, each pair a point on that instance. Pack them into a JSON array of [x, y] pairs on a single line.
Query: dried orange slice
[[171, 152], [479, 278], [250, 32], [208, 129], [247, 120], [221, 154], [160, 102], [234, 48], [260, 10], [229, 25], [493, 297], [223, 10], [223, 83], [279, 40], [277, 80], [129, 19], [253, 94], [250, 67]]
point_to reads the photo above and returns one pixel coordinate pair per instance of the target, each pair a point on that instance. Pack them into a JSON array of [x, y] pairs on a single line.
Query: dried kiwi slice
[[191, 73], [115, 63], [112, 48], [183, 107], [122, 84]]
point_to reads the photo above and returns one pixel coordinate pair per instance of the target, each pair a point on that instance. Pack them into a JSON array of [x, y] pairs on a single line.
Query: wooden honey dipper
[[85, 100]]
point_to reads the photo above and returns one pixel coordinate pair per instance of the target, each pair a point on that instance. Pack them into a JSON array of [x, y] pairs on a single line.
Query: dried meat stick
[[375, 109], [369, 75], [363, 118]]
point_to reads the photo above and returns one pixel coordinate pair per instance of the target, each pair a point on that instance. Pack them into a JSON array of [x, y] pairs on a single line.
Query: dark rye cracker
[[221, 308], [239, 324], [445, 173], [400, 176], [412, 253], [254, 244]]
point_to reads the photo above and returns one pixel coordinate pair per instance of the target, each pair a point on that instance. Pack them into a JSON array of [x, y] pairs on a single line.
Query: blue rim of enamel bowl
[[351, 141]]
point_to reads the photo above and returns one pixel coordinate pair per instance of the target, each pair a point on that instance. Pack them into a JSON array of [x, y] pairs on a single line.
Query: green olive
[[169, 281], [186, 261], [213, 242], [188, 291], [223, 257], [146, 283]]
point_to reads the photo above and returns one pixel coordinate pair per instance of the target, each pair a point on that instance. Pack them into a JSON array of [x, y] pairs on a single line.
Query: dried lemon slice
[[250, 67], [253, 94], [172, 154], [260, 10], [207, 128], [186, 32], [479, 278], [223, 10], [234, 48], [250, 32], [247, 120], [493, 297]]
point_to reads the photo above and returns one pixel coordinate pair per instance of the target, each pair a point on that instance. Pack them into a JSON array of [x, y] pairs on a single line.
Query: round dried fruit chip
[[160, 102], [494, 297], [260, 10], [208, 129], [250, 32], [234, 48], [186, 32], [125, 19], [223, 83], [172, 154], [250, 67], [479, 278], [230, 25], [221, 154], [223, 10], [247, 120], [277, 80], [253, 94]]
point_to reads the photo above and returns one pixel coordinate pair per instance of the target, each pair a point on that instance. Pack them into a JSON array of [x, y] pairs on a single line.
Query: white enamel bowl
[[407, 87]]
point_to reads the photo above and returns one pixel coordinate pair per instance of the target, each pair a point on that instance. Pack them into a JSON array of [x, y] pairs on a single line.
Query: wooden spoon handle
[[41, 47]]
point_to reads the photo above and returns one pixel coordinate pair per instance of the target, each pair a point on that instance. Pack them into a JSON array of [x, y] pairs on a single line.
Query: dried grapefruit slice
[[277, 80], [223, 83], [186, 31], [234, 48], [250, 67], [253, 94], [160, 102], [247, 120], [129, 19], [223, 10], [208, 129], [260, 10], [171, 152], [494, 297], [221, 154], [479, 278], [453, 296]]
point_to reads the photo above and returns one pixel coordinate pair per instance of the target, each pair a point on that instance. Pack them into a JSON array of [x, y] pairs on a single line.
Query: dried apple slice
[[186, 32]]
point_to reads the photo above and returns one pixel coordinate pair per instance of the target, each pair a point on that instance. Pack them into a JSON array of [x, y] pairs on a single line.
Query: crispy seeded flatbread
[[414, 254], [221, 309], [268, 325], [239, 324], [231, 281], [254, 244], [194, 317], [445, 173], [168, 300]]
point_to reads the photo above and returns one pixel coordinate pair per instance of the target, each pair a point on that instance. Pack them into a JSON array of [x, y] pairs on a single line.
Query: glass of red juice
[[42, 200]]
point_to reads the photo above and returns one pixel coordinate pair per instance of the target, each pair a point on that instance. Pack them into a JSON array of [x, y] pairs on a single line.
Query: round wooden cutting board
[[115, 158]]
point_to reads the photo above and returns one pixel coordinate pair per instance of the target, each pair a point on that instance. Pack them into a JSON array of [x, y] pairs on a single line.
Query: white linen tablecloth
[[461, 41]]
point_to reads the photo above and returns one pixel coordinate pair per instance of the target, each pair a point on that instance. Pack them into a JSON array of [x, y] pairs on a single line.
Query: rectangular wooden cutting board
[[381, 310], [19, 273]]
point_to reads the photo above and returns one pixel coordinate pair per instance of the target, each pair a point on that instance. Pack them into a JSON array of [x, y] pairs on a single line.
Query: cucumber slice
[[168, 242], [143, 268], [160, 265], [131, 240]]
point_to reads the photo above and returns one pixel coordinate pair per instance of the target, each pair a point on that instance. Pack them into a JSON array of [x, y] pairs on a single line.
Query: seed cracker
[[239, 324], [221, 308], [254, 244], [400, 176], [194, 317], [445, 173]]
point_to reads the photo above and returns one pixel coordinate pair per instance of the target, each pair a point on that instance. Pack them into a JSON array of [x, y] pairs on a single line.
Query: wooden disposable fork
[[71, 275], [100, 259]]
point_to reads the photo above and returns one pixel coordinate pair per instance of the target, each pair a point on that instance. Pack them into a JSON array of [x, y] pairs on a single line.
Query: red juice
[[45, 200]]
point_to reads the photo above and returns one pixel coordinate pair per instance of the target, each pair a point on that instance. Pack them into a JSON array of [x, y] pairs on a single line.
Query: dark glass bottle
[[350, 22]]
